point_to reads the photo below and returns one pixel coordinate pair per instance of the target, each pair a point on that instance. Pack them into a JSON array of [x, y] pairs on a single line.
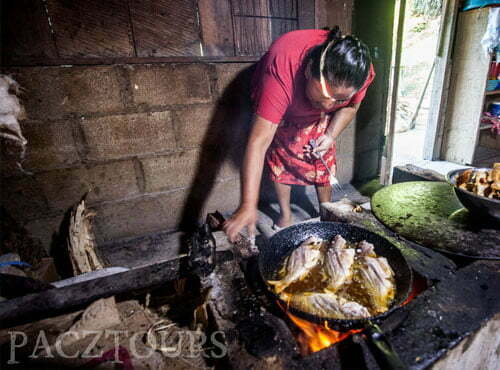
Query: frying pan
[[281, 244]]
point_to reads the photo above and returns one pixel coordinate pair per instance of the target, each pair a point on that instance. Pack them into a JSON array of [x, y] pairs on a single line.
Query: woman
[[309, 85]]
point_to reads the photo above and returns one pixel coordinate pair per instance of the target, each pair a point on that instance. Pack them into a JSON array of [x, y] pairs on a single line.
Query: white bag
[[491, 38]]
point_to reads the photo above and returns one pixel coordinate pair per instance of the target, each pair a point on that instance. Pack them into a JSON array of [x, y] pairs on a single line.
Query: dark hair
[[347, 60]]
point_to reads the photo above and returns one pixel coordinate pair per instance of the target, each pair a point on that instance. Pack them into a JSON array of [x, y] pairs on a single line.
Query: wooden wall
[[94, 31]]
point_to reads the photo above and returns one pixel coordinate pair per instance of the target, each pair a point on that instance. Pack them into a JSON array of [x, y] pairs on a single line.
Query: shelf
[[494, 92]]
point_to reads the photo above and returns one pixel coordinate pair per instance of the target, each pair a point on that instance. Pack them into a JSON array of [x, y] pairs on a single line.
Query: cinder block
[[230, 170], [140, 216], [232, 73], [194, 126], [167, 84], [225, 197], [51, 92], [45, 229], [50, 145], [170, 171], [23, 198], [127, 135], [112, 181]]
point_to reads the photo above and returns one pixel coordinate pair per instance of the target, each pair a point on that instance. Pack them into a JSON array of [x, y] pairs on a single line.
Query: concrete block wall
[[150, 143]]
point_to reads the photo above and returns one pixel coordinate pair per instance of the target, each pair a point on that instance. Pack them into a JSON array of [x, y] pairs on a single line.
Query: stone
[[52, 92], [138, 216], [228, 73], [50, 145], [170, 171], [170, 84], [224, 197], [45, 229], [112, 181], [128, 135], [193, 125]]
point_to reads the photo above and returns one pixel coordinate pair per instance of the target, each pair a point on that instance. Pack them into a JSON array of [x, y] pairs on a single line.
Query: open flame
[[314, 337]]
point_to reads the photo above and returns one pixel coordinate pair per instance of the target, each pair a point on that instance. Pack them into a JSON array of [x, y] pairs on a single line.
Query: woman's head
[[336, 69]]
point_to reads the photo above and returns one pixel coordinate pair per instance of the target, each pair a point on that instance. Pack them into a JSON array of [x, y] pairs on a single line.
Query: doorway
[[419, 36]]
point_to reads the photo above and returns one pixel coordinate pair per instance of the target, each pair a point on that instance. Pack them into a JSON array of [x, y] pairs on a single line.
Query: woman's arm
[[260, 138], [338, 123]]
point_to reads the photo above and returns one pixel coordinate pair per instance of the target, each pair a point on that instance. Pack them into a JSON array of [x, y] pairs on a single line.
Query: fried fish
[[339, 261], [299, 263], [378, 279], [327, 305]]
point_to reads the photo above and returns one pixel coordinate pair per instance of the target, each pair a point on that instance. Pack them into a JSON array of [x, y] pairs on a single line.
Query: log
[[81, 241], [56, 301]]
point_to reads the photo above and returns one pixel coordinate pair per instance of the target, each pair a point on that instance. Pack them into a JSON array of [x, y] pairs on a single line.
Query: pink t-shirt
[[279, 82]]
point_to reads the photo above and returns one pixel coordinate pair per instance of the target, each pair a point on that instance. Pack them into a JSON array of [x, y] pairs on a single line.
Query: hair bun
[[334, 34]]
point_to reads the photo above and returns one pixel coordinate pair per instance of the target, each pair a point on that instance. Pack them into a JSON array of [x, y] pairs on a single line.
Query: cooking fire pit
[[452, 308]]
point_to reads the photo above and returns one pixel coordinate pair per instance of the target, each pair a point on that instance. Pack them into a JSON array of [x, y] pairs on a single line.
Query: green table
[[430, 214]]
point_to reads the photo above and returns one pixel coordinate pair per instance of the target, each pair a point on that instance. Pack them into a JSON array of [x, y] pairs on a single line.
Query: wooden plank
[[339, 12], [305, 12], [132, 60], [25, 31], [91, 28], [252, 36], [441, 81], [165, 28], [216, 27], [468, 83], [284, 8], [320, 16], [251, 7], [282, 26]]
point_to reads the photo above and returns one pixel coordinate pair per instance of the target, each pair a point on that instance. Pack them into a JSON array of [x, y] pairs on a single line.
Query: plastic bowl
[[476, 204]]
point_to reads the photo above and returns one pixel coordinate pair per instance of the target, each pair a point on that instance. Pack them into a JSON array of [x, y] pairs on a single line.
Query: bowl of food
[[478, 189]]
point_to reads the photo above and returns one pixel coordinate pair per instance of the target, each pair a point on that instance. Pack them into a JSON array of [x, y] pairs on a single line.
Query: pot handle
[[381, 349]]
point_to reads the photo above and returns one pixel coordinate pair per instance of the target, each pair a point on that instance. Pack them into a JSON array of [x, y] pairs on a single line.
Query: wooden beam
[[385, 172], [216, 27], [33, 62], [468, 83], [441, 81], [306, 10], [55, 301]]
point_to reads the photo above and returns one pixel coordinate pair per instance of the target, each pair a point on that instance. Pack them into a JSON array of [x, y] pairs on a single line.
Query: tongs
[[333, 180]]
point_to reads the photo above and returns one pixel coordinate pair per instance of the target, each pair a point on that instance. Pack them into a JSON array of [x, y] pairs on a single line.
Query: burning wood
[[314, 337]]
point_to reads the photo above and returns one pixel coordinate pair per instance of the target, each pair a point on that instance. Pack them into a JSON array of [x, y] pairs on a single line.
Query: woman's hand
[[244, 216], [323, 143]]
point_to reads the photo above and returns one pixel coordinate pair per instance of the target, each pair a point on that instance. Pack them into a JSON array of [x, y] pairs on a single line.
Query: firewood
[[81, 241]]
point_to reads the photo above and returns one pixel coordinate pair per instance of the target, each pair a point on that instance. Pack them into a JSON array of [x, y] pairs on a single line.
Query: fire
[[314, 337], [419, 285]]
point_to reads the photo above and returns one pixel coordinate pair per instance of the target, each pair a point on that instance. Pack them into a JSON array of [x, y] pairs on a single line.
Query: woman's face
[[328, 96]]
